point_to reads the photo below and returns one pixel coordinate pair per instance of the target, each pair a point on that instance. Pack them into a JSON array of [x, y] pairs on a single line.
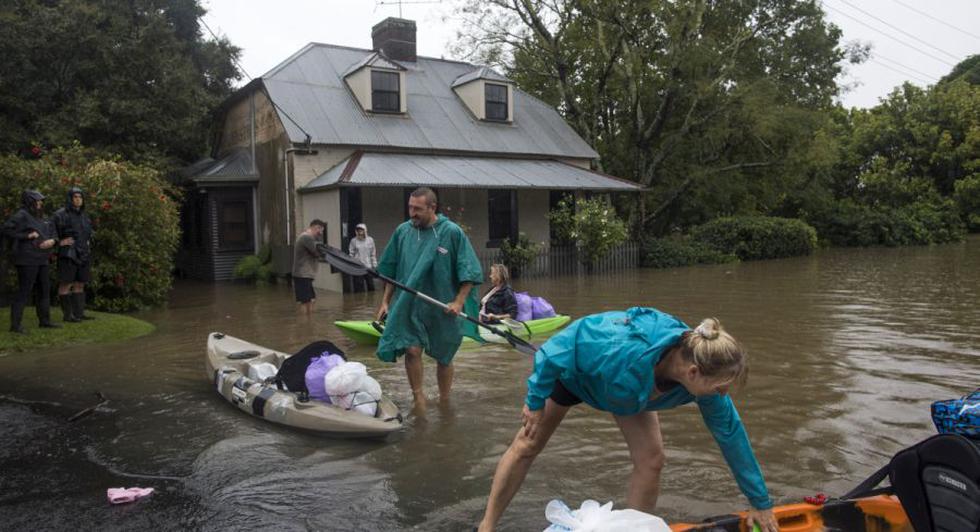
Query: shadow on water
[[848, 348]]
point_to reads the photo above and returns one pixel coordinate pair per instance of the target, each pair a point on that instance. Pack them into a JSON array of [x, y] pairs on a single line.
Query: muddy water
[[848, 349]]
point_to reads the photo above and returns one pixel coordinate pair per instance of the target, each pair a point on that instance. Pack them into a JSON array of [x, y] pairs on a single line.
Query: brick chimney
[[396, 38]]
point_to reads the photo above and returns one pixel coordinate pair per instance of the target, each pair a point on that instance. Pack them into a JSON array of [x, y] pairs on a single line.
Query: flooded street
[[848, 349]]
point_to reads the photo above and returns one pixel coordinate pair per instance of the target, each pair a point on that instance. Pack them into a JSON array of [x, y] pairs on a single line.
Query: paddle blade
[[342, 261]]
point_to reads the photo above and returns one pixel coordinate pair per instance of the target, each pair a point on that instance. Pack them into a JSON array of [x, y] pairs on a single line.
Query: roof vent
[[396, 38]]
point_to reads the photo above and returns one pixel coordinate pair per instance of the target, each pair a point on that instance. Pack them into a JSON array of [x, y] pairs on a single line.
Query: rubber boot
[[78, 304], [66, 308]]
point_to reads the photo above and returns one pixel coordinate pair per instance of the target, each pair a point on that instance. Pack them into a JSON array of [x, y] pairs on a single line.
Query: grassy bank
[[104, 328]]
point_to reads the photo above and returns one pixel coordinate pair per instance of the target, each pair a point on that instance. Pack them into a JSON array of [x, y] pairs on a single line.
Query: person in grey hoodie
[[362, 248]]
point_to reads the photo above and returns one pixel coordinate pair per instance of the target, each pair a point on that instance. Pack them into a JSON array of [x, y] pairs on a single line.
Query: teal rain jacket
[[434, 260], [607, 360]]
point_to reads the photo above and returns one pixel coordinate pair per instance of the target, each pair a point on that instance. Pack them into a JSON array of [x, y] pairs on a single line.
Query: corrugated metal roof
[[377, 59], [311, 90], [480, 73], [235, 166], [401, 169]]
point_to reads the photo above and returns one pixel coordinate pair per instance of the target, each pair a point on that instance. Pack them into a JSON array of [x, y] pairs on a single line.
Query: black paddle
[[351, 266]]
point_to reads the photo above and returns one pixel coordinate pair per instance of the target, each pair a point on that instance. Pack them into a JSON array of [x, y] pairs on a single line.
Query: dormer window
[[385, 92], [496, 101]]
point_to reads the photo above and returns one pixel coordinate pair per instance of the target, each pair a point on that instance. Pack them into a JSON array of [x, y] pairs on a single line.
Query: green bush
[[757, 237], [134, 213], [679, 251], [592, 224], [256, 268], [967, 197], [848, 223], [518, 254]]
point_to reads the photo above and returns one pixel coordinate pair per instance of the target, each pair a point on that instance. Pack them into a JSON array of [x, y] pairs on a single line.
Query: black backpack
[[292, 373], [937, 481]]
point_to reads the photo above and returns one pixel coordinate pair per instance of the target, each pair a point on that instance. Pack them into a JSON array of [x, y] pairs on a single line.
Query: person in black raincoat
[[74, 255], [33, 237]]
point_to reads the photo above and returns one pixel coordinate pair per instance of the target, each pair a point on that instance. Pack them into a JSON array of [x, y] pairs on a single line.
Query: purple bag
[[523, 306], [540, 308], [317, 370]]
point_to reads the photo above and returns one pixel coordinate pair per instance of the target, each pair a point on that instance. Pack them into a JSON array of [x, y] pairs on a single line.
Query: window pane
[[496, 93], [384, 81], [233, 224], [496, 111], [385, 101], [501, 214]]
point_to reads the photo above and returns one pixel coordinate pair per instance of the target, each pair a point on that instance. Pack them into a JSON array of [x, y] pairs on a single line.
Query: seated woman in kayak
[[499, 303], [631, 364]]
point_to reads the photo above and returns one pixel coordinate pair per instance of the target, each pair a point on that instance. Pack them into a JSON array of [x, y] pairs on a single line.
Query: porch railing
[[568, 260]]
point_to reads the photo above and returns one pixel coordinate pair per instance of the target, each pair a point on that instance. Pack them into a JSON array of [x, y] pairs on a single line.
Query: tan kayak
[[227, 366]]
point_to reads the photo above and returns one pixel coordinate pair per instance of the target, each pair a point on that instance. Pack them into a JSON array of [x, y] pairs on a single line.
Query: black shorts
[[562, 396], [303, 288], [70, 271]]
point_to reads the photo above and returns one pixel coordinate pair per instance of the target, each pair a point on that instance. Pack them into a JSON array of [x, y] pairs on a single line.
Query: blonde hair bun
[[709, 328]]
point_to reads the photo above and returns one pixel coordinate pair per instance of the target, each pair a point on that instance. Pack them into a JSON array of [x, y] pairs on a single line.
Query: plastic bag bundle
[[316, 374], [592, 517], [364, 399], [524, 306], [260, 371], [540, 308], [350, 387]]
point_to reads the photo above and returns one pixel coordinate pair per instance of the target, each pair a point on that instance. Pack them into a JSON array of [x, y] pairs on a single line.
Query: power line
[[900, 71], [899, 41], [900, 30], [906, 67], [943, 22], [233, 59]]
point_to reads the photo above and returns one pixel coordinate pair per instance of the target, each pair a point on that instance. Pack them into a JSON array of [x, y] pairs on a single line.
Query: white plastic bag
[[260, 371], [344, 379], [363, 400], [592, 517]]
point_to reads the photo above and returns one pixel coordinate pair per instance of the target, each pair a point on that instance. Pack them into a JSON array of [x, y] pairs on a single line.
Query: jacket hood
[[71, 192], [28, 197]]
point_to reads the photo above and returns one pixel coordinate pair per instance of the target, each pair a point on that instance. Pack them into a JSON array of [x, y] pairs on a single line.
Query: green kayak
[[365, 332]]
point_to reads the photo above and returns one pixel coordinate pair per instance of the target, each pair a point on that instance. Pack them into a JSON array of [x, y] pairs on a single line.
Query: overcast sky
[[912, 40]]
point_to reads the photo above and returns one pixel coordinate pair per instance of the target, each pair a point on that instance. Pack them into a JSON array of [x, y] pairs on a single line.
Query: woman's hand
[[764, 518], [32, 235], [47, 244], [530, 419]]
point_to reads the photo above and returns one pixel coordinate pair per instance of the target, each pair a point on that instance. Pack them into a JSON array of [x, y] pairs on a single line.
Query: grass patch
[[104, 328]]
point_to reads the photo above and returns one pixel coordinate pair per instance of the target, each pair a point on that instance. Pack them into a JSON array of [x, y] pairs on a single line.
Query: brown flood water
[[848, 349]]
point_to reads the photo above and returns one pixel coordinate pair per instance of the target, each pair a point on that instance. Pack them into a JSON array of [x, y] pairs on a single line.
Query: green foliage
[[518, 254], [850, 223], [758, 237], [677, 251], [256, 268], [104, 328], [134, 212], [967, 196], [592, 224], [134, 77]]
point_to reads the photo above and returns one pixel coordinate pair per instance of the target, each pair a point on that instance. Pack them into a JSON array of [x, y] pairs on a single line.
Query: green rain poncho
[[434, 260]]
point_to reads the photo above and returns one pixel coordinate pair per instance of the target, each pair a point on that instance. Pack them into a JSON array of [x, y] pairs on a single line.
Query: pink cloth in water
[[124, 495]]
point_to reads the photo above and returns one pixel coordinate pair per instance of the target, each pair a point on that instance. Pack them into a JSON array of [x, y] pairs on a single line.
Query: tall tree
[[135, 77], [713, 105]]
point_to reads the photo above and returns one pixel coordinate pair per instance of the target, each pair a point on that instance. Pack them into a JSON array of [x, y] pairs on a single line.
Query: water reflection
[[848, 349]]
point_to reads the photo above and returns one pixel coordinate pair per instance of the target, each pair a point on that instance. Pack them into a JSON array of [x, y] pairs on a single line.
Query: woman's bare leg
[[516, 462], [646, 445]]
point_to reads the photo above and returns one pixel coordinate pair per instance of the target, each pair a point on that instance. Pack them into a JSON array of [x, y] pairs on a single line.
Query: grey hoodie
[[363, 250]]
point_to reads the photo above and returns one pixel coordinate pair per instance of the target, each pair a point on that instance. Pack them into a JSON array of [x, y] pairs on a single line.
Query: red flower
[[36, 150], [106, 205], [119, 280], [163, 198]]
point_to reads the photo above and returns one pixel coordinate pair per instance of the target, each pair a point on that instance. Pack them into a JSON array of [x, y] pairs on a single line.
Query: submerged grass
[[104, 328]]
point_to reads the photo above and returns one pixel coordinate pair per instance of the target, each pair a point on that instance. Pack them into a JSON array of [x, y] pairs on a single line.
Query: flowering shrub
[[456, 214], [133, 210], [592, 224], [518, 254]]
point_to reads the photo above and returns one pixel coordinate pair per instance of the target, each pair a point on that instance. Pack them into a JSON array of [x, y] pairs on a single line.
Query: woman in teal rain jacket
[[633, 364]]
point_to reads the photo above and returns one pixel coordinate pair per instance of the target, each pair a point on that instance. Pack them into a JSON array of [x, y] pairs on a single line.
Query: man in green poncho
[[431, 254]]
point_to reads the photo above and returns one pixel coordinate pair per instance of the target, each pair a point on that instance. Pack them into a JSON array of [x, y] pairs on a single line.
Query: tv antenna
[[403, 2]]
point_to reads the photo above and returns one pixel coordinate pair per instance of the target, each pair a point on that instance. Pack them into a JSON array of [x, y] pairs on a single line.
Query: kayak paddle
[[351, 266]]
